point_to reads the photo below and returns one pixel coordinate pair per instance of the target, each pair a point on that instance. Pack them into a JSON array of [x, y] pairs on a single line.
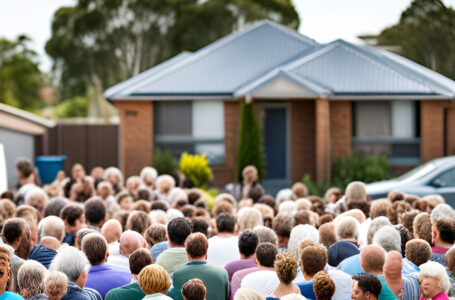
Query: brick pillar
[[322, 140], [432, 129], [136, 135], [340, 128]]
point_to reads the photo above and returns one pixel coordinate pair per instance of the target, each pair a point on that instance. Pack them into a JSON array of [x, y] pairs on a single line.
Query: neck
[[201, 258], [307, 277], [93, 224], [50, 242], [172, 245], [283, 241], [243, 256], [441, 244], [225, 234], [378, 273]]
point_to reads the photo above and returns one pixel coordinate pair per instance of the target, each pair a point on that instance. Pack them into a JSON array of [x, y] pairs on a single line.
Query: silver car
[[436, 176]]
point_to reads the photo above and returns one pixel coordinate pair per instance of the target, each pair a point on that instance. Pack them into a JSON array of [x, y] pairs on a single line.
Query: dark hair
[[159, 204], [282, 225], [266, 254], [194, 289], [55, 206], [188, 211], [323, 286], [71, 212], [94, 210], [368, 283], [196, 245], [7, 195], [156, 233], [95, 247], [270, 201], [139, 259], [248, 241], [144, 194], [225, 223], [25, 166], [302, 217], [178, 230], [13, 229], [325, 218], [200, 225], [446, 228]]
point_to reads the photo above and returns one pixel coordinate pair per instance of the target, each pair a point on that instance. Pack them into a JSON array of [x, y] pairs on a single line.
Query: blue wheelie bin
[[48, 167]]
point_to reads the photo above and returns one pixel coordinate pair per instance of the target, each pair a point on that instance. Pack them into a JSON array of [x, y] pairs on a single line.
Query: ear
[[367, 295]]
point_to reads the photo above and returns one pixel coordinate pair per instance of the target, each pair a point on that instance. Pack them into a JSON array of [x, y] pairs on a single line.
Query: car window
[[418, 172], [446, 179]]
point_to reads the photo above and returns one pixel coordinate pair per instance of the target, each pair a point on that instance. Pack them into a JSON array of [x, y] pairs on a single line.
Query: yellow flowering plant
[[196, 169]]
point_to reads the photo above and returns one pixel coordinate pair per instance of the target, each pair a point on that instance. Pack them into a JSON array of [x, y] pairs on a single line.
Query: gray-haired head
[[52, 226], [435, 270], [55, 285], [375, 225], [388, 238], [30, 278], [55, 206], [266, 235], [442, 211], [71, 262]]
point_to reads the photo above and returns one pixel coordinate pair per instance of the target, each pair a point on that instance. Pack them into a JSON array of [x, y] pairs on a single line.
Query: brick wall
[[340, 128], [322, 140], [432, 129], [226, 173], [136, 135], [302, 139]]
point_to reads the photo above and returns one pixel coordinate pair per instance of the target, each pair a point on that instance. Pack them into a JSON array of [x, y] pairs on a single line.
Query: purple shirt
[[105, 277], [236, 281], [239, 264]]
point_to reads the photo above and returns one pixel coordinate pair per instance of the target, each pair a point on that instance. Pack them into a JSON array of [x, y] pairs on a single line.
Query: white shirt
[[115, 258], [363, 232], [222, 250], [265, 282]]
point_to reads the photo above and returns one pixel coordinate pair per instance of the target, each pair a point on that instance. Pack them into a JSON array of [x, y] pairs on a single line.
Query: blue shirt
[[104, 277], [351, 265], [42, 255], [69, 239], [157, 249], [10, 296], [306, 289], [76, 293]]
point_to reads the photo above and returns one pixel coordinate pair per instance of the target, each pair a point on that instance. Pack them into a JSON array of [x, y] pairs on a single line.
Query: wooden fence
[[90, 145]]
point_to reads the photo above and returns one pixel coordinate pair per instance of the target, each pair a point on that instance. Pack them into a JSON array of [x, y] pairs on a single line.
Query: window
[[190, 126], [389, 127], [446, 179]]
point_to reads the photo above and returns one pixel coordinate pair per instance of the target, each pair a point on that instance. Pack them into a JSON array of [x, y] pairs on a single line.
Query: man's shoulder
[[130, 291]]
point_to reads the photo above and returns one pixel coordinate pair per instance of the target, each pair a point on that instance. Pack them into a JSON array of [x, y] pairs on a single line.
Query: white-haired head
[[164, 184], [177, 194], [375, 225], [303, 203], [442, 211], [157, 216], [388, 238], [113, 171], [71, 262], [356, 192], [148, 175], [284, 195], [173, 213], [299, 234], [435, 270], [248, 294], [288, 208], [266, 235]]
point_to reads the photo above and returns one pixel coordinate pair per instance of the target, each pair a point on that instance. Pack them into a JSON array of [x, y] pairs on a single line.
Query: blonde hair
[[5, 258], [435, 270], [55, 285], [30, 278], [154, 279]]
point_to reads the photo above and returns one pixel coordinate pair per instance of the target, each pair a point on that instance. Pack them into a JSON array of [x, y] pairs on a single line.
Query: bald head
[[372, 259], [131, 241], [111, 230], [393, 264], [53, 226]]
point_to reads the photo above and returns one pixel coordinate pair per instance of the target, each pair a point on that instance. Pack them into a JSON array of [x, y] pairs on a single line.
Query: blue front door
[[275, 142]]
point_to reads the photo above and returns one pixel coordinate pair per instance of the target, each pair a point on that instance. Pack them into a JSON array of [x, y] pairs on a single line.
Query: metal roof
[[27, 116], [245, 61]]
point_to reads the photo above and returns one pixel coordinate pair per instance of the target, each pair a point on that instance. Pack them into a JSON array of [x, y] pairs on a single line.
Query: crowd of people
[[95, 237]]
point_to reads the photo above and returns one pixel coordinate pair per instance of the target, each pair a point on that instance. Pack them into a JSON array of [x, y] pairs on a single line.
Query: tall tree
[[20, 77], [425, 34], [98, 43]]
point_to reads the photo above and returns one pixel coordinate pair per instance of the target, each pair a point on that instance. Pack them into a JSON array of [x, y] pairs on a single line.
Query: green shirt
[[172, 259], [386, 293], [131, 292], [215, 280]]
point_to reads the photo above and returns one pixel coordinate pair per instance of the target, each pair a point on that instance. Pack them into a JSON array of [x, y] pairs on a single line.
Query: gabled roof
[[270, 54], [25, 115]]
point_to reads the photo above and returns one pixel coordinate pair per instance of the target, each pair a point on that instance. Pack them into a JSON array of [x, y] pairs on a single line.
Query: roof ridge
[[26, 115]]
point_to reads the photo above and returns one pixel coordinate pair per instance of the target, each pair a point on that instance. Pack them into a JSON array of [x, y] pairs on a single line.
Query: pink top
[[439, 250], [237, 279], [440, 296]]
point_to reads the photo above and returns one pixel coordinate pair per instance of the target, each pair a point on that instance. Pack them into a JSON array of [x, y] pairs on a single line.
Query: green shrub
[[365, 168], [164, 163], [250, 146], [196, 169]]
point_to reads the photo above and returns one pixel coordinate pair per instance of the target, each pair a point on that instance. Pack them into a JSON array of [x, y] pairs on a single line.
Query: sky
[[322, 20]]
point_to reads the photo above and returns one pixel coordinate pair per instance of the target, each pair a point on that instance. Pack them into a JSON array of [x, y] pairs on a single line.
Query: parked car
[[436, 176], [3, 178]]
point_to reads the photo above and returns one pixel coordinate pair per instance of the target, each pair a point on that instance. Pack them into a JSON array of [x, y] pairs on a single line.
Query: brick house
[[312, 102]]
